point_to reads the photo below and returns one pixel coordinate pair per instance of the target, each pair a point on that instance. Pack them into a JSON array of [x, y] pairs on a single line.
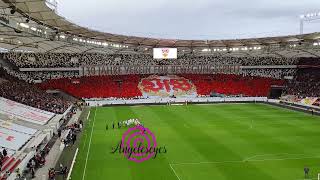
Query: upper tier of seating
[[42, 60]]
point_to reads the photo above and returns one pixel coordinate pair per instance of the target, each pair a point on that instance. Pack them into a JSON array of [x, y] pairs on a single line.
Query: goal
[[319, 176]]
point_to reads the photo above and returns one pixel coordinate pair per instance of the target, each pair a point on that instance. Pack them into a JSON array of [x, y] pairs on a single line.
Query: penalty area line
[[288, 154], [85, 165], [175, 173], [243, 161]]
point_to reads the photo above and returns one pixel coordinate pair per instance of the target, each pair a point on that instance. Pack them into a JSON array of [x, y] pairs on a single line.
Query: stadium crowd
[[25, 93], [305, 84], [53, 60], [126, 86], [34, 77], [270, 73], [38, 76]]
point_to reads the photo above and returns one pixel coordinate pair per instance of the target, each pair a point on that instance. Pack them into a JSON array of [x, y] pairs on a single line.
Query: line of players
[[125, 123]]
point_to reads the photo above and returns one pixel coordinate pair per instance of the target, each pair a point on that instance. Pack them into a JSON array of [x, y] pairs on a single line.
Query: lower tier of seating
[[8, 166], [126, 86]]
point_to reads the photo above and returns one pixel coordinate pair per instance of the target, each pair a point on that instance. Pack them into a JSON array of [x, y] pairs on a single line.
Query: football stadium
[[77, 103]]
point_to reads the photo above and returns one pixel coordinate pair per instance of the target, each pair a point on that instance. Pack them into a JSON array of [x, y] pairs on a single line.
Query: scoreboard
[[165, 53]]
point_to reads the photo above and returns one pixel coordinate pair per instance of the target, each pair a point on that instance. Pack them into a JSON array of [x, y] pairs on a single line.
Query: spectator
[[31, 95], [4, 152], [41, 60]]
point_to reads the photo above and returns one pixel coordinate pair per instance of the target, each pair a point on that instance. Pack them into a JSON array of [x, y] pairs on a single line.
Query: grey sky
[[192, 19]]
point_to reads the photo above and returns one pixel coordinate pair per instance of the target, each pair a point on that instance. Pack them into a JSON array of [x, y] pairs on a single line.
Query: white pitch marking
[[242, 161], [85, 140], [174, 172], [85, 166], [259, 155], [72, 164], [88, 115], [251, 126]]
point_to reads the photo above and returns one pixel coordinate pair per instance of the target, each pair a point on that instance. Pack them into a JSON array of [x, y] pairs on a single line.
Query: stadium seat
[[127, 86]]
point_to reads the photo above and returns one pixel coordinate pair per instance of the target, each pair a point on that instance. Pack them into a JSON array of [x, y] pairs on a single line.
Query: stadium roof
[[35, 26]]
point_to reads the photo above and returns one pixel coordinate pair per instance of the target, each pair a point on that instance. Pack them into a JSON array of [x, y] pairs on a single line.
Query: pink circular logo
[[139, 144]]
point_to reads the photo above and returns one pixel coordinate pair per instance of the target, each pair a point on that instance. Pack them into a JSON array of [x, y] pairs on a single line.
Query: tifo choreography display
[[166, 86]]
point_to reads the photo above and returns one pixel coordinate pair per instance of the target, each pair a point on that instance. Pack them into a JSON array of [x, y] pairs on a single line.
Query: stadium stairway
[[5, 63], [9, 164], [5, 162]]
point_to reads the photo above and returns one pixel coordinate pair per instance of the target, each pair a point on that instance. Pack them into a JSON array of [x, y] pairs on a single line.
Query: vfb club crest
[[166, 86], [165, 52]]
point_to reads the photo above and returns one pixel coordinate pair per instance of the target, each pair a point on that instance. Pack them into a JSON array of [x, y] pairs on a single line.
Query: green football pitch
[[204, 142]]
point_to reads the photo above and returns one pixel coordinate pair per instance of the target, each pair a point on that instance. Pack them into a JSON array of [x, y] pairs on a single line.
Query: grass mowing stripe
[[85, 165], [202, 148]]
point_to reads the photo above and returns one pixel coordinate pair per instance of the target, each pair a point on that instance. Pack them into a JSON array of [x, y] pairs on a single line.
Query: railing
[[52, 4]]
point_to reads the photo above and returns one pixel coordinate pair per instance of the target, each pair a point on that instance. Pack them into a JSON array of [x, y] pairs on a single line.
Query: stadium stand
[[127, 86], [97, 86], [36, 76], [233, 84], [25, 93], [23, 112], [26, 140], [306, 83], [271, 73], [13, 138], [53, 60], [9, 164], [29, 118], [40, 56]]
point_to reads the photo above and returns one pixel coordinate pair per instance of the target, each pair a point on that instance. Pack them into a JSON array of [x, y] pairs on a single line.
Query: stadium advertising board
[[165, 53], [169, 69]]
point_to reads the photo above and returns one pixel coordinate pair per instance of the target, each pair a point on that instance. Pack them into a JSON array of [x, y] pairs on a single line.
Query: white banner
[[24, 112], [165, 53], [12, 139], [15, 127], [166, 69]]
